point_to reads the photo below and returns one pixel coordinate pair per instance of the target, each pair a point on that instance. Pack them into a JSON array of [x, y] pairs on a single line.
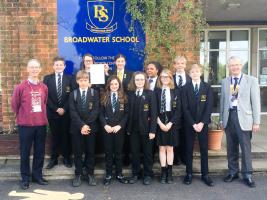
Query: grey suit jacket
[[248, 107]]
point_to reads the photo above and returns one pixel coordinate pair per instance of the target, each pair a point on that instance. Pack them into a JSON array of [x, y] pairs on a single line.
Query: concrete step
[[9, 169]]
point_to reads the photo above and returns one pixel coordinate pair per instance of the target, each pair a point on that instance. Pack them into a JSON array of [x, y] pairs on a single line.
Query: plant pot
[[215, 139]]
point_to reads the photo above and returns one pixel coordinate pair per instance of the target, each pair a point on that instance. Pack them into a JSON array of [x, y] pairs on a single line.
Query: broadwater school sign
[[100, 28]]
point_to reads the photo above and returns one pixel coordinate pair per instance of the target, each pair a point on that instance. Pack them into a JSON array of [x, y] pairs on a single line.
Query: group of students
[[135, 106]]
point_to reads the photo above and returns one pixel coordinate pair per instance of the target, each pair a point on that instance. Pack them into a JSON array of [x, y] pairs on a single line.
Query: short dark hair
[[58, 58], [157, 65]]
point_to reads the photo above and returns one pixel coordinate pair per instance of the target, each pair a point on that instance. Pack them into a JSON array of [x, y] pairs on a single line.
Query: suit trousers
[[141, 143], [113, 143], [84, 144], [190, 136], [235, 137], [28, 136], [61, 142]]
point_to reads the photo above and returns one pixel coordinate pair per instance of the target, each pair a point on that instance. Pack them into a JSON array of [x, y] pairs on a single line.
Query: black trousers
[[140, 143], [190, 135], [61, 138], [84, 144], [113, 143], [180, 149], [28, 136]]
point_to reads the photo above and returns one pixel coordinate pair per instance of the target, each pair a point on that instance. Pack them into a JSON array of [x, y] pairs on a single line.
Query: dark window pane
[[239, 39], [217, 39]]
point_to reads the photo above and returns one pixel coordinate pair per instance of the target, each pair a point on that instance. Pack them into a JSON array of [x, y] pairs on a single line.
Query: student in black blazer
[[59, 88], [113, 117], [141, 125], [125, 76], [153, 70], [169, 114], [180, 79], [197, 103], [84, 110]]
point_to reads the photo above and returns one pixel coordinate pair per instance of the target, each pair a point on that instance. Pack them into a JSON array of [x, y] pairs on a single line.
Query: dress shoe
[[76, 182], [107, 180], [40, 181], [230, 178], [207, 180], [91, 180], [188, 179], [121, 179], [249, 182], [52, 163], [67, 162], [24, 185], [133, 179], [147, 180]]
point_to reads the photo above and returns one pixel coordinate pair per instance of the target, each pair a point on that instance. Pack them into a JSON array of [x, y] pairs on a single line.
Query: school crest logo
[[101, 14]]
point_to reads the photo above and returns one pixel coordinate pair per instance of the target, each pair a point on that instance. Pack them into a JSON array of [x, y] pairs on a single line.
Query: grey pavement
[[116, 191]]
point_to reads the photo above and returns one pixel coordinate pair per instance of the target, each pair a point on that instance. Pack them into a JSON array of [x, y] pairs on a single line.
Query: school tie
[[59, 88], [163, 101], [196, 90], [83, 100], [114, 102], [180, 83], [150, 80], [138, 93], [120, 75], [235, 84]]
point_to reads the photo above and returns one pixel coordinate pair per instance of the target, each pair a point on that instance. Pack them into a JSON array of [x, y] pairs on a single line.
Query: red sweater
[[29, 104]]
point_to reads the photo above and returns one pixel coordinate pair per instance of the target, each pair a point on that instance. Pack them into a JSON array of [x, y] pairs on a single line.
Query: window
[[216, 47], [262, 67]]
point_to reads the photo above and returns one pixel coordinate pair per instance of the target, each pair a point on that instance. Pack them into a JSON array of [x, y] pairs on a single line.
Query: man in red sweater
[[29, 104]]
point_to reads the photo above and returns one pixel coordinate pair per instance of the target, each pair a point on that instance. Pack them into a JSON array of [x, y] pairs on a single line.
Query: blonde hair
[[34, 60], [169, 73], [132, 86], [196, 66], [177, 58], [82, 74]]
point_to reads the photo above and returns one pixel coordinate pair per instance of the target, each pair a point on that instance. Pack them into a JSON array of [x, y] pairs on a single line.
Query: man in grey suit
[[240, 116]]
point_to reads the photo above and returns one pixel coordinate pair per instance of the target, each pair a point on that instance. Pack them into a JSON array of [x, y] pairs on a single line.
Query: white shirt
[[194, 84], [56, 77], [168, 98], [183, 77], [153, 83], [140, 93], [81, 91]]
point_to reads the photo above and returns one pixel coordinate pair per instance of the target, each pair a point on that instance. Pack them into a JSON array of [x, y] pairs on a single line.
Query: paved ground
[[197, 191]]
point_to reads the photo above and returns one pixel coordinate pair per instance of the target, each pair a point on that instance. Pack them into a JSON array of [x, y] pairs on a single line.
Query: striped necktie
[[114, 102], [180, 83], [59, 89], [163, 101], [83, 100], [196, 90], [120, 75]]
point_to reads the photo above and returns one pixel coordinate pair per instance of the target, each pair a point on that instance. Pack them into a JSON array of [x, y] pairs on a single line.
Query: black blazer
[[126, 78], [197, 108], [119, 117], [176, 105], [78, 120], [188, 79], [147, 112], [52, 102]]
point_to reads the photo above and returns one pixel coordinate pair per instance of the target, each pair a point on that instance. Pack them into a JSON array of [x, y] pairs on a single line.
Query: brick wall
[[28, 28]]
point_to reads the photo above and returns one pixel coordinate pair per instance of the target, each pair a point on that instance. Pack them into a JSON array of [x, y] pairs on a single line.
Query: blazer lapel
[[242, 84]]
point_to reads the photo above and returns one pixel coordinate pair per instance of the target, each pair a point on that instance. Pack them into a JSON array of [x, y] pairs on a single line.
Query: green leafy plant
[[215, 123], [167, 23]]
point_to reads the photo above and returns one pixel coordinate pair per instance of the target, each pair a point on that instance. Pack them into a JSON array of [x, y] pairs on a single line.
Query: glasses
[[164, 77], [88, 61], [139, 79]]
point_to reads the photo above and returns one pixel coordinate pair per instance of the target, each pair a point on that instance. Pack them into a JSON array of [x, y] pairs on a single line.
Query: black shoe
[[24, 185], [121, 179], [249, 182], [147, 180], [52, 163], [40, 181], [76, 182], [230, 178], [133, 179], [67, 162], [91, 180], [207, 180], [188, 179], [163, 176], [107, 180]]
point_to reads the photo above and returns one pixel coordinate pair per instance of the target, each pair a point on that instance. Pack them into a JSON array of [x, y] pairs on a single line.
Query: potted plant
[[215, 134]]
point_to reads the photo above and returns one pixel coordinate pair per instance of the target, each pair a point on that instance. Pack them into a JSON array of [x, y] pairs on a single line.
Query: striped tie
[[59, 89], [180, 83], [163, 101], [83, 101], [114, 102], [196, 90], [120, 75]]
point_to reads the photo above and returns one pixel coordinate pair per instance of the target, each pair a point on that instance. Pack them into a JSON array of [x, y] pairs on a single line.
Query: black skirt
[[169, 138]]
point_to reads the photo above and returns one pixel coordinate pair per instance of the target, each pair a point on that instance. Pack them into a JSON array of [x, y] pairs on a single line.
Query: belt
[[233, 109]]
